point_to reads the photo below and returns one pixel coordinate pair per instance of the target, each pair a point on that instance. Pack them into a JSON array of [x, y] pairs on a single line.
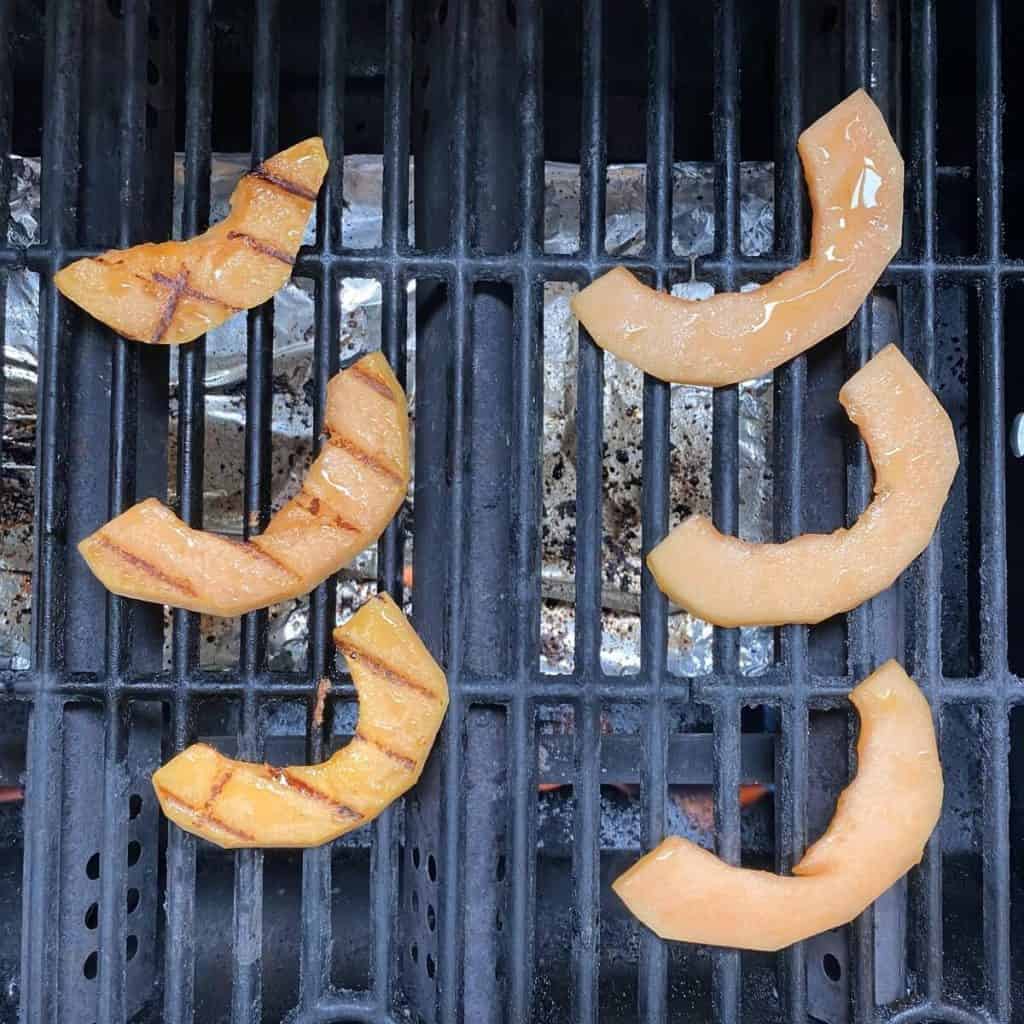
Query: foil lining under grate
[[293, 427]]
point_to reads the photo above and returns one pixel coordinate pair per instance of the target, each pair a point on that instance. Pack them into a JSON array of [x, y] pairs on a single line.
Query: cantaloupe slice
[[403, 696], [731, 582], [172, 292], [882, 821], [348, 497], [854, 176]]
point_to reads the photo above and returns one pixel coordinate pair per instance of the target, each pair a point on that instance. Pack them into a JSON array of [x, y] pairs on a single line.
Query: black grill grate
[[477, 553]]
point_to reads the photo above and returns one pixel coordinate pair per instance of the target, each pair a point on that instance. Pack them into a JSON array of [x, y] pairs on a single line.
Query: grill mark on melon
[[285, 777], [381, 668], [315, 509], [284, 184], [368, 459], [406, 762], [178, 583], [372, 381], [218, 786], [253, 549], [176, 286], [201, 817], [263, 248], [188, 291]]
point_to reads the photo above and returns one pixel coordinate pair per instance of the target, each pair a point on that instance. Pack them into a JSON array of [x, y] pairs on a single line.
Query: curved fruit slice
[[731, 582], [854, 176], [403, 696], [882, 821], [172, 292], [350, 494]]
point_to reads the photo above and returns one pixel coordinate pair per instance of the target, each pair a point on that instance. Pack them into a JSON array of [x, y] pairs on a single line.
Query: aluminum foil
[[17, 444], [293, 427], [691, 426]]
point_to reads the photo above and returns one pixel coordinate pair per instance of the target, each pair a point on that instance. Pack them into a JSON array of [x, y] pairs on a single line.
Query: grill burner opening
[[488, 158]]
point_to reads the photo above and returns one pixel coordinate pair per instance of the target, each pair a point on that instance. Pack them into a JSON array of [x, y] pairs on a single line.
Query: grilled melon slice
[[348, 497], [172, 292], [882, 821], [403, 696], [854, 176], [731, 582]]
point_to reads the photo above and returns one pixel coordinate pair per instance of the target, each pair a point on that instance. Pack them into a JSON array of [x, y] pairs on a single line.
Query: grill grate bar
[[316, 930], [725, 126], [589, 433], [179, 941], [460, 295], [523, 778], [123, 434], [384, 902], [770, 687], [926, 578], [996, 863], [655, 487], [316, 936], [62, 70], [593, 145], [990, 212], [526, 504], [398, 58], [790, 394], [451, 931], [725, 992], [56, 227], [394, 328], [247, 963], [442, 264], [331, 122], [724, 479], [859, 73], [996, 799], [858, 352], [195, 216], [529, 332], [586, 860]]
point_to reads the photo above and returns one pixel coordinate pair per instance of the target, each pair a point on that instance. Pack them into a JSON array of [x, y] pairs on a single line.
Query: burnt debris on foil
[[293, 427]]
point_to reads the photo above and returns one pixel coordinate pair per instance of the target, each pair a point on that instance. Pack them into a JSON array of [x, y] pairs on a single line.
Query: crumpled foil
[[293, 427]]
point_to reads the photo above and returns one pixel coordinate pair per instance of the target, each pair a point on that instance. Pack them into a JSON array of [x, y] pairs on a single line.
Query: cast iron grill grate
[[455, 875]]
